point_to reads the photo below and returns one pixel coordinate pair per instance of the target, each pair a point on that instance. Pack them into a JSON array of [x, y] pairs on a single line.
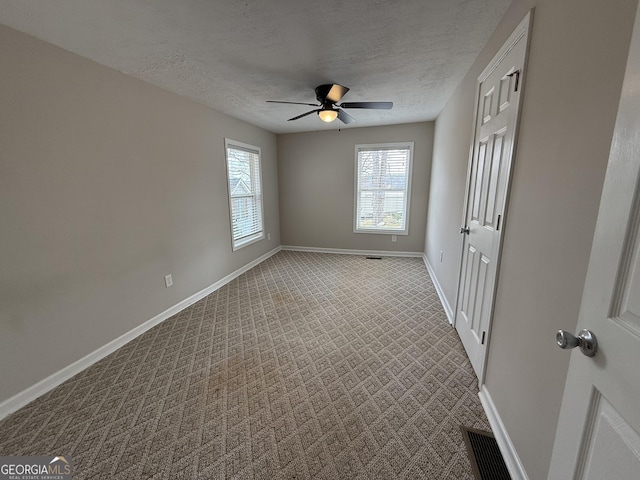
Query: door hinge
[[517, 75], [498, 223], [483, 335]]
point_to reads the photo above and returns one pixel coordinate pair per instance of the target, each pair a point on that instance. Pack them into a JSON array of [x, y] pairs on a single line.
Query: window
[[245, 193], [383, 178]]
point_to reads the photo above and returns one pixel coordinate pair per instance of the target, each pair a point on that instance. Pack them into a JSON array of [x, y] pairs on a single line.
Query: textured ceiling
[[234, 55]]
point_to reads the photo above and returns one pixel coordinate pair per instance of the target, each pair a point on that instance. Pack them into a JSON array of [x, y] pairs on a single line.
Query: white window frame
[[407, 189], [256, 180]]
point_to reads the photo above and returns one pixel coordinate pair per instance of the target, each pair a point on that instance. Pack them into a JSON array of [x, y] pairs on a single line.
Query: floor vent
[[371, 257], [484, 455]]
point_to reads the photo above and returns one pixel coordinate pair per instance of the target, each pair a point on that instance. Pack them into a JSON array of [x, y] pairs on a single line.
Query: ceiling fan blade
[[304, 115], [336, 93], [330, 92], [376, 105], [344, 117], [294, 103]]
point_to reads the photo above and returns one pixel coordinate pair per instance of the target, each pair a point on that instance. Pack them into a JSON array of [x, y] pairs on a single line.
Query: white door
[[598, 434], [497, 104]]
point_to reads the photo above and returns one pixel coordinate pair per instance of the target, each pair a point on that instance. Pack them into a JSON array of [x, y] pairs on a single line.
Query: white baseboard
[[443, 299], [346, 251], [511, 458], [43, 386]]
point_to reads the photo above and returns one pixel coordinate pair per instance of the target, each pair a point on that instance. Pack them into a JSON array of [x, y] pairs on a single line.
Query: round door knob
[[586, 340], [566, 339]]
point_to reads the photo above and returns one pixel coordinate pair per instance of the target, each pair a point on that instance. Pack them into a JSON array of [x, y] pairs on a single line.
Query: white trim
[[443, 299], [511, 458], [523, 30], [346, 251], [43, 386]]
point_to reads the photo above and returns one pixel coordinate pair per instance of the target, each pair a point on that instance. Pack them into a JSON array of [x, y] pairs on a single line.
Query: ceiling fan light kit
[[328, 115], [329, 95]]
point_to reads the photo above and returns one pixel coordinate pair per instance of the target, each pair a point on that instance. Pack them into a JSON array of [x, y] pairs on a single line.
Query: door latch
[[465, 230], [517, 75]]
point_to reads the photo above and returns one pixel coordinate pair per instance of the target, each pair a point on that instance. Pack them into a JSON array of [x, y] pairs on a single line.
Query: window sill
[[247, 241], [383, 232]]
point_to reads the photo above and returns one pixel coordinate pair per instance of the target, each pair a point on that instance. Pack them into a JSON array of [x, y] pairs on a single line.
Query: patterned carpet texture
[[308, 366]]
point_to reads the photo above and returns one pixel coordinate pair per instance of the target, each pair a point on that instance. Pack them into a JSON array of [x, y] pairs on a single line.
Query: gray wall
[[106, 185], [316, 180], [576, 65]]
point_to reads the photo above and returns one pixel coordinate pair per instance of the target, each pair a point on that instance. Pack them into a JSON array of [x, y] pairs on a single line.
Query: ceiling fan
[[329, 95]]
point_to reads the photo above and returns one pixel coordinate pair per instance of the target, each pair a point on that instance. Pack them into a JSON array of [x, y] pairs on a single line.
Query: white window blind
[[383, 179], [245, 193]]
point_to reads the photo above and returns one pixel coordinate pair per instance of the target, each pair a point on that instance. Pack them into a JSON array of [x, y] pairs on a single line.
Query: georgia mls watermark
[[36, 468]]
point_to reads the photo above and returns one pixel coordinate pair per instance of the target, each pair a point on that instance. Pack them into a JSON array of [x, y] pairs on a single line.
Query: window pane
[[382, 186], [245, 199]]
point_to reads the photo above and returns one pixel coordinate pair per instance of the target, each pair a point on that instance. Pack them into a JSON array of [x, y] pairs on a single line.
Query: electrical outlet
[[168, 281], [394, 238], [268, 236], [441, 255]]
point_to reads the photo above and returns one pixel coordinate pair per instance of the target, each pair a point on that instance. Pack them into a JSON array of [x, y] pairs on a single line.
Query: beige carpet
[[309, 366]]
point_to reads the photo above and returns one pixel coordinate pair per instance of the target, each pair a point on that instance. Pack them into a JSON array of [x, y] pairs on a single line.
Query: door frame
[[522, 31]]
